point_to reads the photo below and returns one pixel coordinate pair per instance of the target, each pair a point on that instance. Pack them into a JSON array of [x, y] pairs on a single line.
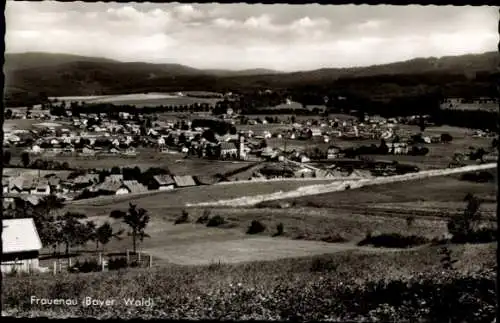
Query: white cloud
[[248, 36]]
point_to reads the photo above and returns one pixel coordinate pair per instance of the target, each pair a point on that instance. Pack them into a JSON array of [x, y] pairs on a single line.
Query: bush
[[216, 221], [89, 265], [183, 218], [256, 227], [204, 217], [393, 240], [279, 229], [117, 263], [482, 235], [478, 177]]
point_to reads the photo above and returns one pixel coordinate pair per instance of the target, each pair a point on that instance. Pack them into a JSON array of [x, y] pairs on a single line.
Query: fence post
[[55, 268], [69, 263], [150, 261], [128, 257], [139, 257], [100, 258]]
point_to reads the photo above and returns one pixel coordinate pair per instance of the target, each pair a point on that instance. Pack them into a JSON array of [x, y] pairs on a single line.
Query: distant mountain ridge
[[65, 74]]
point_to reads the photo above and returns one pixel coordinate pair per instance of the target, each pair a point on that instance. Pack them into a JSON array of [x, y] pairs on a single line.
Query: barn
[[21, 245]]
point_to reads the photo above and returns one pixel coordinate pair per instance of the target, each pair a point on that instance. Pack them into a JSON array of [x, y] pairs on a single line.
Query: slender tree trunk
[[67, 249], [96, 245]]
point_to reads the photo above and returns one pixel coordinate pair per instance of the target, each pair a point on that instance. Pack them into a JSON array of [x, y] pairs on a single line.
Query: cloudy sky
[[241, 36]]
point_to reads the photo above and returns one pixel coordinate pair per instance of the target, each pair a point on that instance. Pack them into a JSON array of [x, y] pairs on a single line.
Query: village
[[287, 148]]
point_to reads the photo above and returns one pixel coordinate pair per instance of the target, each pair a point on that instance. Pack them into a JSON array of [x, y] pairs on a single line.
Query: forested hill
[[61, 74]]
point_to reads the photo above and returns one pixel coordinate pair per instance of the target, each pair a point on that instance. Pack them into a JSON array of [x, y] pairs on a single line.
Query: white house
[[397, 148], [43, 189], [333, 152], [21, 245]]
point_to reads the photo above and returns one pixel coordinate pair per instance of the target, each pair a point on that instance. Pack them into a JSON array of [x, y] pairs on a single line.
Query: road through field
[[340, 186]]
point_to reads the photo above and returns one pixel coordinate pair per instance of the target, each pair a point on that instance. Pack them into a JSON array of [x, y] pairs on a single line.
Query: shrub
[[204, 217], [393, 240], [482, 235], [279, 229], [117, 263], [478, 177], [256, 227], [183, 218], [216, 221], [89, 265]]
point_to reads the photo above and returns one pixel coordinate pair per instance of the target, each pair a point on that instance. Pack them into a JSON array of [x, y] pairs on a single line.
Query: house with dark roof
[[228, 150], [131, 187], [206, 180], [86, 180], [108, 187], [162, 182], [41, 189], [21, 245], [184, 181]]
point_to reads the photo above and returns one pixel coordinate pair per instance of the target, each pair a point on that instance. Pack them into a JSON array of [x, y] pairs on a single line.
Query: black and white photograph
[[272, 162]]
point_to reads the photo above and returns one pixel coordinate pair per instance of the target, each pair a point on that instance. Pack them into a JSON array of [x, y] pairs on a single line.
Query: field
[[143, 100], [429, 196], [163, 201], [311, 288]]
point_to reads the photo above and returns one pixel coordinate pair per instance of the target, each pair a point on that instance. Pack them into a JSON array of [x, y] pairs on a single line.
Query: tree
[[104, 233], [115, 170], [137, 220], [72, 231], [6, 157], [446, 138], [25, 158], [466, 223], [478, 155], [421, 123]]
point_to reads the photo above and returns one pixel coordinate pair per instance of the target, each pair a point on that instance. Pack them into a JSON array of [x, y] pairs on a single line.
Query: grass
[[144, 100], [434, 196], [179, 197], [316, 288]]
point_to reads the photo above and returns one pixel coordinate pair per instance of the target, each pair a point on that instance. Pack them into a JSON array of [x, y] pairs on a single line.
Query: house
[[333, 152], [315, 132], [22, 184], [324, 173], [184, 181], [162, 182], [114, 178], [130, 151], [86, 180], [206, 180], [5, 184], [21, 245], [228, 149], [398, 148], [360, 173], [108, 187], [41, 189], [88, 151], [131, 187]]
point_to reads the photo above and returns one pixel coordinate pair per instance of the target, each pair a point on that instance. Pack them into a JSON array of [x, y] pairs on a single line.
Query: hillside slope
[[61, 74]]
